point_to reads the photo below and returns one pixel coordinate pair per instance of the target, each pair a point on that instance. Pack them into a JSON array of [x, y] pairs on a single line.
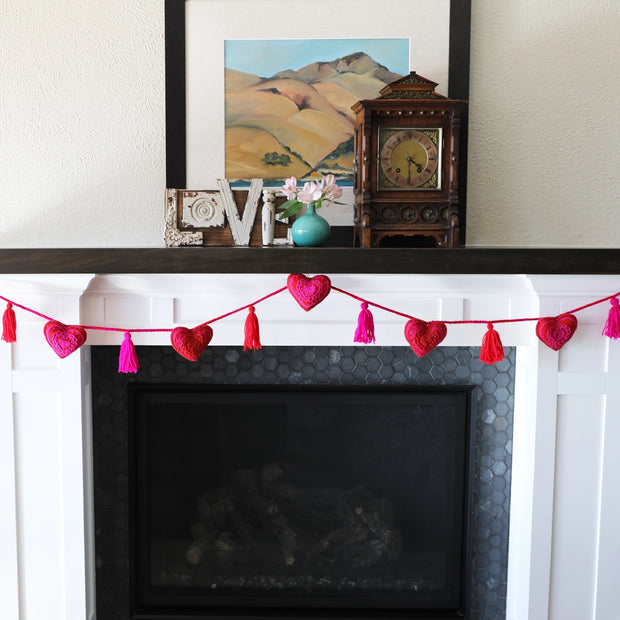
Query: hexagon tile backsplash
[[349, 365]]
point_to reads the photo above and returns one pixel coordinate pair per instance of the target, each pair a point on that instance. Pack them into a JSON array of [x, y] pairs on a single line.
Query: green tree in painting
[[276, 159]]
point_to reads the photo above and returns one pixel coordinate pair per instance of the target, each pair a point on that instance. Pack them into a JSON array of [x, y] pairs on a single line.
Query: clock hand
[[411, 161]]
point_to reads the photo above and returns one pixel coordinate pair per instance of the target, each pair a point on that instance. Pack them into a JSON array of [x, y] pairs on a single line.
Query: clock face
[[409, 159]]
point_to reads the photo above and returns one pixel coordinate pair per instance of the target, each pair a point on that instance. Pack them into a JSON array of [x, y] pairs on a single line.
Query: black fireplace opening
[[300, 501]]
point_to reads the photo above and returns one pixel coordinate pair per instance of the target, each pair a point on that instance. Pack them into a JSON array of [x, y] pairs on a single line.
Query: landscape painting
[[288, 103]]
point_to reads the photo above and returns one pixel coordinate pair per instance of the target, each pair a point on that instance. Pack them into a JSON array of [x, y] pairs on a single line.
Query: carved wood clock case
[[406, 166]]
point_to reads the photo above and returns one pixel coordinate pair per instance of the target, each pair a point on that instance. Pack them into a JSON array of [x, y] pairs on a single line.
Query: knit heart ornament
[[308, 292], [64, 339], [423, 337], [191, 343], [555, 332]]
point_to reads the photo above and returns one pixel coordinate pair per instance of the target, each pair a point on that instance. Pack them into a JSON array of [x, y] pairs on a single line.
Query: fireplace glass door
[[267, 501]]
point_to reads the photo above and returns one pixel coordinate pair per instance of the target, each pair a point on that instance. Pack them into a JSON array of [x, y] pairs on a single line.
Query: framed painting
[[227, 63], [288, 103]]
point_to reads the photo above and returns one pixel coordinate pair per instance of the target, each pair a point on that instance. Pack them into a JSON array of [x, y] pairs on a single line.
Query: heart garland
[[308, 292], [556, 331], [64, 339], [191, 343], [423, 337]]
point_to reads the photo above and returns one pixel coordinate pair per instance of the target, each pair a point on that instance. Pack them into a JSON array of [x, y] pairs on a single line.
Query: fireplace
[[255, 498], [559, 482], [379, 500]]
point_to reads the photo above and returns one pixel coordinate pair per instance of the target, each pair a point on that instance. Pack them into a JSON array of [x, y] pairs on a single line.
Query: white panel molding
[[41, 418], [608, 547], [558, 591], [9, 517]]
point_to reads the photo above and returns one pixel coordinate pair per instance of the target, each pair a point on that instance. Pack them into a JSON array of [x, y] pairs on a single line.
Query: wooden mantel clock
[[406, 165]]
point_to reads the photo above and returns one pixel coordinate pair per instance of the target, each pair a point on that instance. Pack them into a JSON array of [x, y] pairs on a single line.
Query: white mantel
[[565, 506]]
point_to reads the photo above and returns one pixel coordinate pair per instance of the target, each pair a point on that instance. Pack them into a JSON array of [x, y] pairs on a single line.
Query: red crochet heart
[[191, 343], [424, 337], [64, 339], [308, 292], [556, 331]]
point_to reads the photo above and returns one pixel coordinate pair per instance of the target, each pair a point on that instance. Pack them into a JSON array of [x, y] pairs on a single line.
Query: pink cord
[[473, 321], [254, 303], [280, 290], [372, 303]]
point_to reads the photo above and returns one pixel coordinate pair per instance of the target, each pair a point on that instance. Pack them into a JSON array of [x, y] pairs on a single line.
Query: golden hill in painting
[[298, 123]]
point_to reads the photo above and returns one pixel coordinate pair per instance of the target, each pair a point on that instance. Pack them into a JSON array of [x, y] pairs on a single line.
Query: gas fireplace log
[[248, 491], [268, 512], [284, 533], [211, 519], [324, 526], [374, 520], [315, 510], [226, 551], [202, 540], [273, 486], [325, 544], [240, 525]]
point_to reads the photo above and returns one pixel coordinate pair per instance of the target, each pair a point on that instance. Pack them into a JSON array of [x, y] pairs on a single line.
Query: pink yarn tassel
[[612, 325], [252, 331], [492, 349], [128, 359], [365, 332], [9, 324]]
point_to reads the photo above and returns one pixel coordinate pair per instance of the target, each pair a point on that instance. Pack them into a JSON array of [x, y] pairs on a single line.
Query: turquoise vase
[[310, 230]]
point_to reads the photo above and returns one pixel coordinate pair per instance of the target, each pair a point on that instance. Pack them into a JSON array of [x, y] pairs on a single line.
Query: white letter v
[[241, 228]]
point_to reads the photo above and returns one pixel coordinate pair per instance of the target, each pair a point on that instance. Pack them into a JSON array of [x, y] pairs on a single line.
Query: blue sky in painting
[[267, 57]]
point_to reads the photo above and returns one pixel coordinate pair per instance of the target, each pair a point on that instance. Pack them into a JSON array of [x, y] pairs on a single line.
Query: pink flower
[[329, 180], [332, 191], [311, 192], [290, 188], [322, 192]]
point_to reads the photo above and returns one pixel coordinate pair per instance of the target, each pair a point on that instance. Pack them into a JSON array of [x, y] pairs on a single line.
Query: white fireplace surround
[[565, 503]]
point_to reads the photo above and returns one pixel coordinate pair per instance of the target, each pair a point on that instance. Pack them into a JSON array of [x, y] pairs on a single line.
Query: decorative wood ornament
[[423, 337], [223, 217], [308, 292], [241, 226], [555, 332], [202, 210], [173, 236], [268, 217]]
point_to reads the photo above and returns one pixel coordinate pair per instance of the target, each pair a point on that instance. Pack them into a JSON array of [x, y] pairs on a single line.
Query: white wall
[[82, 123], [82, 149], [544, 156]]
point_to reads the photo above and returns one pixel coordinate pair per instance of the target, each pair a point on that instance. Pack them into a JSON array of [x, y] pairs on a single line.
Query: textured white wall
[[544, 135], [82, 136], [82, 113]]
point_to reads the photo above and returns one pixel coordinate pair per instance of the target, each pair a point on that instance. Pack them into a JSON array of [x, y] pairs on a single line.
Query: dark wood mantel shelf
[[476, 260]]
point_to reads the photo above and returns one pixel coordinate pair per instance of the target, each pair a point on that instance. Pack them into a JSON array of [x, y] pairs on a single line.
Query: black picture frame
[[175, 84]]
